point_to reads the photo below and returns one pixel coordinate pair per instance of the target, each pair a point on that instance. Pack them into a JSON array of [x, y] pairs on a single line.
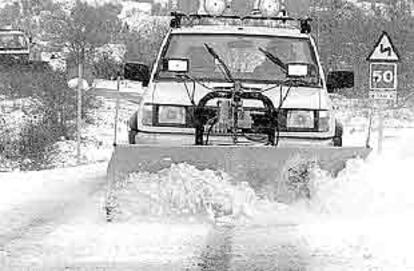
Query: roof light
[[212, 7], [269, 8]]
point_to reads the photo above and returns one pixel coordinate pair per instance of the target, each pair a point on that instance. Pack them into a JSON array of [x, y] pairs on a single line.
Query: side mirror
[[176, 65], [137, 72], [339, 80], [297, 70]]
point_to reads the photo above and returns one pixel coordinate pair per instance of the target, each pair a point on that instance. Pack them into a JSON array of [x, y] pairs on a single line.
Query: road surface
[[111, 94]]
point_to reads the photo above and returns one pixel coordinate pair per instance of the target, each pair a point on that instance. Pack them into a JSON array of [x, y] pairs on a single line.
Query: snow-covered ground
[[55, 218], [125, 85], [98, 137], [361, 220], [358, 221], [365, 216]]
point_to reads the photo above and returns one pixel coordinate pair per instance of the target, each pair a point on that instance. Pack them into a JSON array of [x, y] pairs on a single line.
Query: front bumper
[[189, 139]]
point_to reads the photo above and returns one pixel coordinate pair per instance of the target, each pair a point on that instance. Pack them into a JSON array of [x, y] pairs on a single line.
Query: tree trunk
[[79, 107]]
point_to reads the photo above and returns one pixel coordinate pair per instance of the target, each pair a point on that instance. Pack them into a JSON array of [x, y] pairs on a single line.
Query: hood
[[175, 93]]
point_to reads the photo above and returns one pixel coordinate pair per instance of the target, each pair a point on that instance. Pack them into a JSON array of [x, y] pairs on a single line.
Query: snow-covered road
[[32, 204], [53, 220]]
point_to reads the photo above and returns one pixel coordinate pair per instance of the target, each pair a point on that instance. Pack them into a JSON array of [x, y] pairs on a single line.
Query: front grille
[[251, 89], [260, 121]]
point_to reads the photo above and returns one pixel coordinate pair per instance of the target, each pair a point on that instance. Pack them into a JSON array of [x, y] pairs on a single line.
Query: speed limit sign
[[383, 76]]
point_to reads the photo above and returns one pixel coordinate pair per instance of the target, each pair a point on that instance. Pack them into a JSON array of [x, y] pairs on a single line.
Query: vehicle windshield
[[242, 56], [12, 41]]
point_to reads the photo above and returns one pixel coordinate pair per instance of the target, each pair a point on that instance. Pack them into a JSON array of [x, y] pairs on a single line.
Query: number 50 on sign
[[383, 76]]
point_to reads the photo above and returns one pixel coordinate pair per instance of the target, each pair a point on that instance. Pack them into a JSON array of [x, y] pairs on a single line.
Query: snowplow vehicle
[[245, 95]]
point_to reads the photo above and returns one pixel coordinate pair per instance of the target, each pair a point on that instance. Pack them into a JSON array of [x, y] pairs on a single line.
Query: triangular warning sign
[[384, 50]]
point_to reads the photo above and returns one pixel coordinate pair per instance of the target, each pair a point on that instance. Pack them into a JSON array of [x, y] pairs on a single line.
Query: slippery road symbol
[[386, 50]]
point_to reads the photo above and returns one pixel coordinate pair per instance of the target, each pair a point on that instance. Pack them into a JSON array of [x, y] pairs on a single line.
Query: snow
[[29, 199], [181, 191], [125, 85], [65, 153], [97, 136], [84, 237], [145, 243], [19, 188], [361, 220], [367, 212]]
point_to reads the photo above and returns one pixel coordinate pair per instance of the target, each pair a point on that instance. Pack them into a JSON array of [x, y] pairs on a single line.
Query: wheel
[[337, 140], [131, 136], [133, 128], [132, 123]]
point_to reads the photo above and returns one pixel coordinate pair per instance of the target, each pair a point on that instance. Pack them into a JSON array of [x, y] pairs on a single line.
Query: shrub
[[48, 117], [106, 67]]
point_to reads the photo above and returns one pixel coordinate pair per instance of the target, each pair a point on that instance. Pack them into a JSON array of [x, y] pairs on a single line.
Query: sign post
[[383, 78]]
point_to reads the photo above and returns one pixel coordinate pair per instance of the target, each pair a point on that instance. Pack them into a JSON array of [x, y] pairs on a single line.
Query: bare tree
[[81, 31], [84, 28]]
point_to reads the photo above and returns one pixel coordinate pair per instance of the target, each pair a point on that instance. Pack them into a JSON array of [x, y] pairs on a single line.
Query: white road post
[[117, 109], [380, 129], [371, 115]]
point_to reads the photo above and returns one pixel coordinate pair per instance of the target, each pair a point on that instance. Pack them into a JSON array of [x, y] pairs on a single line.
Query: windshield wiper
[[223, 67], [274, 59]]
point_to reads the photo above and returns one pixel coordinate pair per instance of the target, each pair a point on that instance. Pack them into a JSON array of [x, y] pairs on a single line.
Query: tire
[[133, 128], [132, 123], [131, 136], [337, 140]]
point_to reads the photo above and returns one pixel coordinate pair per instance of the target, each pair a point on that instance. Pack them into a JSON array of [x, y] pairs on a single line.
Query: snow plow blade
[[256, 165]]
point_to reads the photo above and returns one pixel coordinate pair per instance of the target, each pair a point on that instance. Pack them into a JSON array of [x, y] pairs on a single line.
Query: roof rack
[[182, 19]]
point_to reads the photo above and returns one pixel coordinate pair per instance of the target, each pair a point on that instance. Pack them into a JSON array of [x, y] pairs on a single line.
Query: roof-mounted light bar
[[266, 8], [181, 19]]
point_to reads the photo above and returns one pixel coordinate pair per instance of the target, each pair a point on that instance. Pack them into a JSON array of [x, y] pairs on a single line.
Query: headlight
[[300, 119], [171, 115], [147, 115], [324, 121]]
